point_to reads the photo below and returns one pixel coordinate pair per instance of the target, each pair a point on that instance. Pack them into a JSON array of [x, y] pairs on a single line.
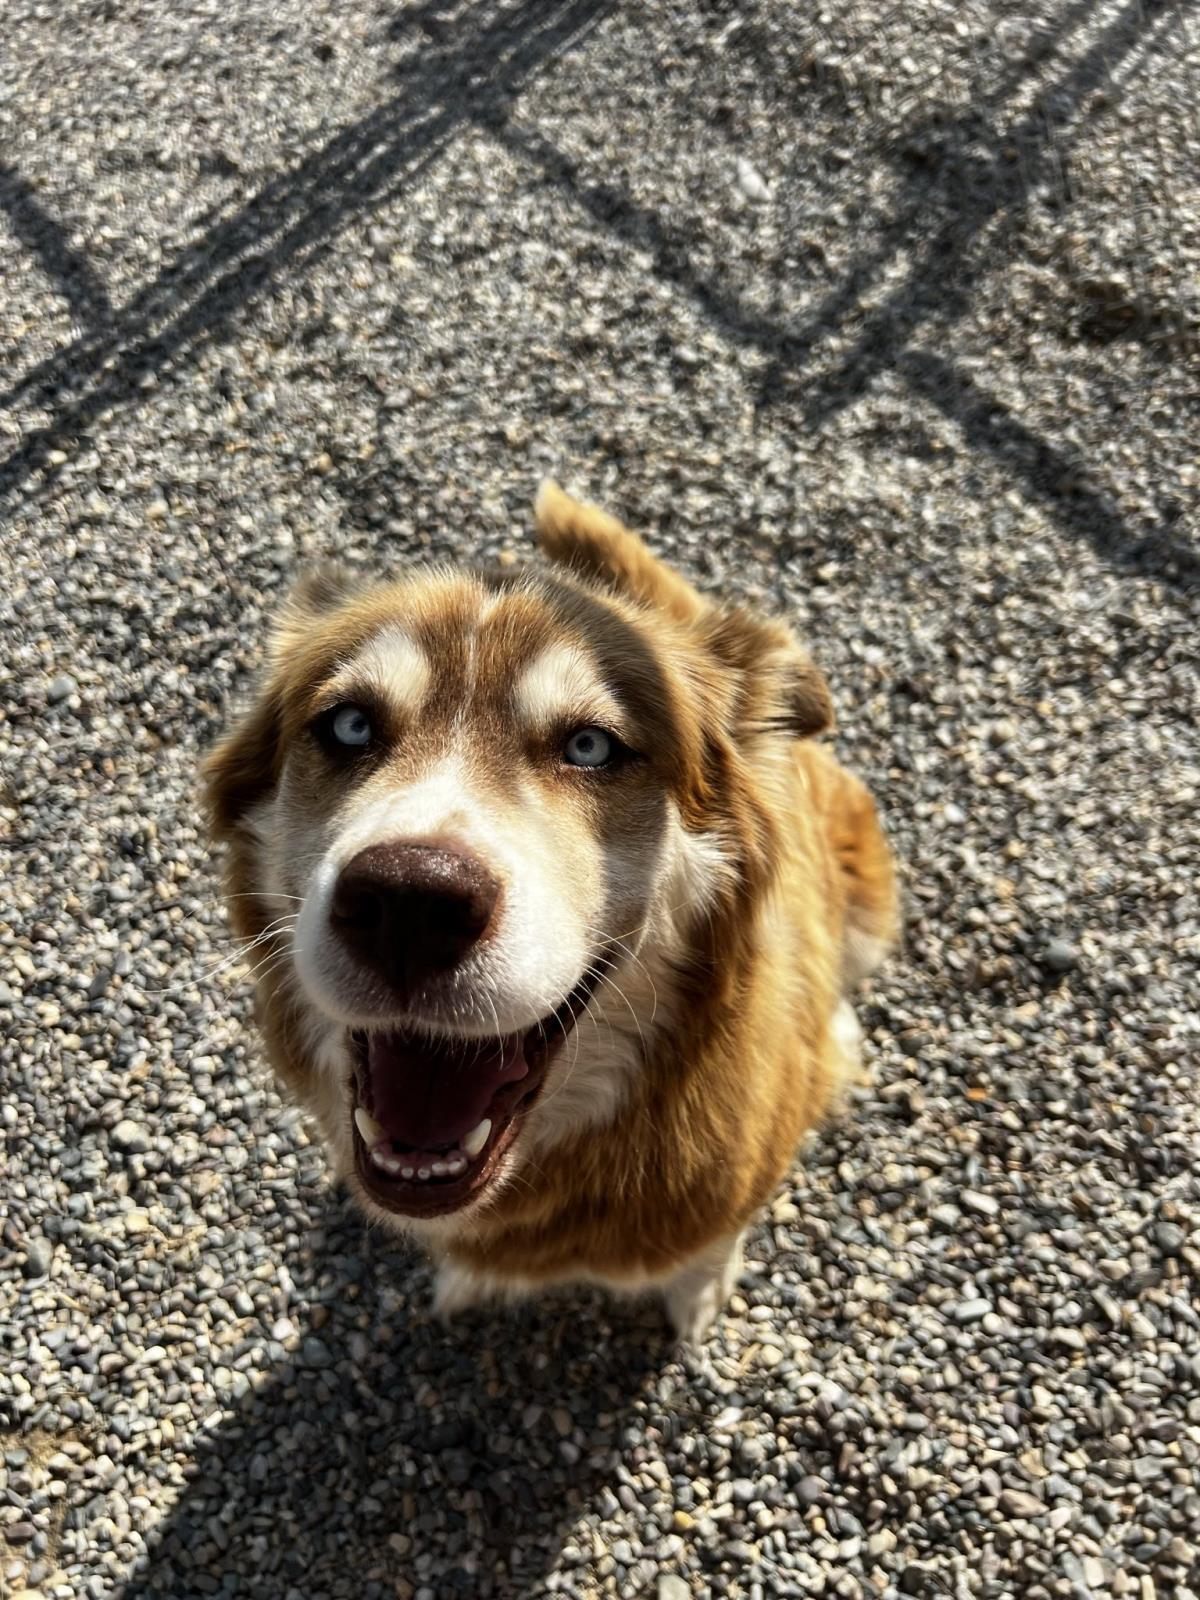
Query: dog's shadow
[[391, 1454]]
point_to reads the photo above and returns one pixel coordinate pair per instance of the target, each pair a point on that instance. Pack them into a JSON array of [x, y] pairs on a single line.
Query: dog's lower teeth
[[452, 1165], [478, 1137]]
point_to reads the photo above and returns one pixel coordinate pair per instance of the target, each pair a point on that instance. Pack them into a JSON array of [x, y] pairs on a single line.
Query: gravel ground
[[887, 315]]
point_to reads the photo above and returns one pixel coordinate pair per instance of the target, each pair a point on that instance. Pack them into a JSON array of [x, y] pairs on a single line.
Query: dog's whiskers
[[274, 931]]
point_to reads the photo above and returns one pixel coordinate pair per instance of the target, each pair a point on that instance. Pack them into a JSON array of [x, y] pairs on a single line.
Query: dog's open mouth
[[434, 1115]]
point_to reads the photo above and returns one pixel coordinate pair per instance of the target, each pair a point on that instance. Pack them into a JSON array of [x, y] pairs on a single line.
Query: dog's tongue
[[427, 1094]]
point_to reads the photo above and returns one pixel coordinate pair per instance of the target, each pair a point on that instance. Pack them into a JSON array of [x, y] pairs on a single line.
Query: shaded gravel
[[887, 316]]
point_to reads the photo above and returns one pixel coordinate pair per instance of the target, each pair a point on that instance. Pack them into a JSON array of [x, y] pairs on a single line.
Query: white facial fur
[[395, 665], [539, 949], [561, 678]]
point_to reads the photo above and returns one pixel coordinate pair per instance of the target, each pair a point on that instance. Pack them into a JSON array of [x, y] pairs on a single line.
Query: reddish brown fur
[[714, 1119]]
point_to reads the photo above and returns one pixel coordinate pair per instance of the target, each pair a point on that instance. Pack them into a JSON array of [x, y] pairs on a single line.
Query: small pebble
[[130, 1138], [61, 688], [967, 1311], [39, 1253], [1061, 956], [751, 182]]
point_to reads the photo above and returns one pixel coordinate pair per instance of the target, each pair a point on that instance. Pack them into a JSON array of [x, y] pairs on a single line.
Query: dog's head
[[471, 816]]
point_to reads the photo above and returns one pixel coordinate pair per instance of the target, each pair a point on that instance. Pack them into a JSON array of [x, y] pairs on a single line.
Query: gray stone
[[129, 1137], [1061, 955], [315, 1352], [39, 1253], [967, 1311], [1018, 1503], [99, 984], [61, 688]]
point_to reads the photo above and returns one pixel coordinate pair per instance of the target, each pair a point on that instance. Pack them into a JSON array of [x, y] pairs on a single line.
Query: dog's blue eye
[[589, 747], [350, 726]]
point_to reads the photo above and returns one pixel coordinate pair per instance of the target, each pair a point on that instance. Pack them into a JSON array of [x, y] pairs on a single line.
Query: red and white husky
[[566, 903]]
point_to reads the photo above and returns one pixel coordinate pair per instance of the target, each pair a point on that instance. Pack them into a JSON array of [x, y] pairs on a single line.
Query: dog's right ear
[[311, 597], [242, 769], [244, 766]]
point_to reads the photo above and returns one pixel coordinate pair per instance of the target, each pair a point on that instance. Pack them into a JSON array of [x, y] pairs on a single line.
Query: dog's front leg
[[699, 1290], [457, 1288]]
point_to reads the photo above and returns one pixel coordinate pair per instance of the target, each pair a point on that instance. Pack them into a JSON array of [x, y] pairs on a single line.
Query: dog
[[555, 906]]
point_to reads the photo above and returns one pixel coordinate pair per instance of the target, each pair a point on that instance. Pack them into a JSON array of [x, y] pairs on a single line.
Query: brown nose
[[411, 911]]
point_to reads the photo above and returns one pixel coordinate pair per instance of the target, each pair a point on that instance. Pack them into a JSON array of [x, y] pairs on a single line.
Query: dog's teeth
[[439, 1169], [407, 1172], [371, 1132], [422, 1172], [478, 1137], [387, 1162], [456, 1166]]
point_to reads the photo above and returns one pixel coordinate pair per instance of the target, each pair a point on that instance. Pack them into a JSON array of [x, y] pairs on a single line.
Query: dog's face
[[462, 808]]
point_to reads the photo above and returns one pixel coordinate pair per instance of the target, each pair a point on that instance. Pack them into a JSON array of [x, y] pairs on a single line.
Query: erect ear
[[595, 545], [776, 689], [242, 769], [780, 689], [244, 766], [806, 707], [313, 595]]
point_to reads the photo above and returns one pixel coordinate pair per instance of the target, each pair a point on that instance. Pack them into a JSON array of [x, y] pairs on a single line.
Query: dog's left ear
[[780, 688], [244, 766], [806, 707], [594, 545]]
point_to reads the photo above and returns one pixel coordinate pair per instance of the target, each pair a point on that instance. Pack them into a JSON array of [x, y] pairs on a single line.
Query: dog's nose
[[412, 910]]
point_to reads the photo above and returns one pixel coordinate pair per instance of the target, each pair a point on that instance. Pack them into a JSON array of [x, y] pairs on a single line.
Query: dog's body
[[578, 905]]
